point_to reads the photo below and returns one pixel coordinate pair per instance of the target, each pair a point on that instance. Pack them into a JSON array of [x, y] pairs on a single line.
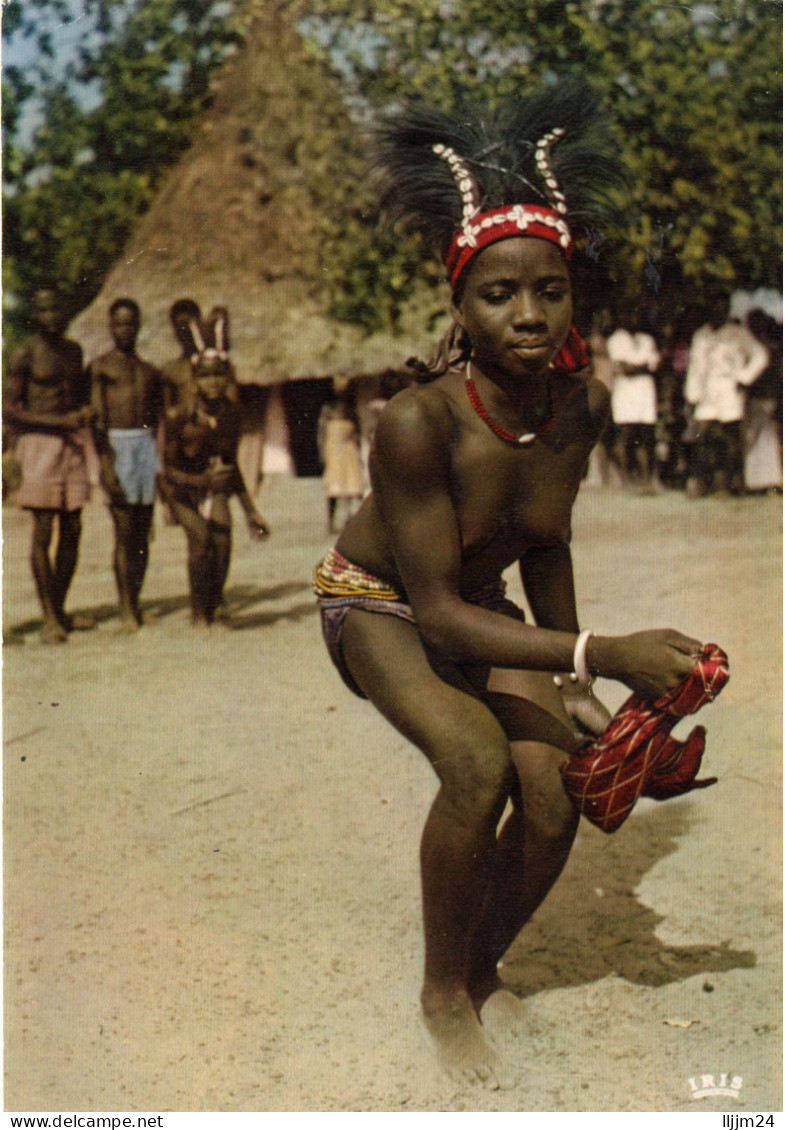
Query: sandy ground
[[211, 878]]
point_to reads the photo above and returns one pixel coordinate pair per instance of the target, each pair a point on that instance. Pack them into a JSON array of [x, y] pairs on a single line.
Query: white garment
[[633, 395], [637, 349], [722, 363], [763, 457]]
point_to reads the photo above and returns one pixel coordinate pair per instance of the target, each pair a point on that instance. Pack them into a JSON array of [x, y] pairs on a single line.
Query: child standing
[[201, 475], [339, 447]]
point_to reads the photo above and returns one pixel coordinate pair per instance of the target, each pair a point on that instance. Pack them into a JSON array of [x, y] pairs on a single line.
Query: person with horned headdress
[[201, 473], [474, 472]]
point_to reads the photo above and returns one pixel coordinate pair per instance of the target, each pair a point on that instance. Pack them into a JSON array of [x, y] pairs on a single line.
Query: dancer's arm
[[412, 488]]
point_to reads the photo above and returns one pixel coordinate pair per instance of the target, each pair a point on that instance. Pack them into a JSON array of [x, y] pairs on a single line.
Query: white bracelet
[[581, 673]]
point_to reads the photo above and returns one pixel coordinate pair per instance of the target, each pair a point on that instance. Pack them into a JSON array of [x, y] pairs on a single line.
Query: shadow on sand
[[242, 605], [593, 925]]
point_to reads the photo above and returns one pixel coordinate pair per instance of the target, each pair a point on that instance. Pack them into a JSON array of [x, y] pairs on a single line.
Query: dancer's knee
[[546, 806], [550, 812], [477, 778]]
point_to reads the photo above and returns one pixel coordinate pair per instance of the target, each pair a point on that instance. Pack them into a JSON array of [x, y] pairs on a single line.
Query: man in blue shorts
[[127, 397]]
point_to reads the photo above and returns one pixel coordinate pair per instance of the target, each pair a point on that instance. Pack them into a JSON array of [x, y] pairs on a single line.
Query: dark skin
[[453, 507], [178, 376], [48, 392], [126, 393], [200, 456], [179, 387]]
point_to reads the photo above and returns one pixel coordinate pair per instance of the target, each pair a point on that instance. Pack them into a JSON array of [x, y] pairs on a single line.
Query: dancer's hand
[[257, 526], [116, 493], [650, 662], [590, 715], [111, 483], [78, 418], [219, 476]]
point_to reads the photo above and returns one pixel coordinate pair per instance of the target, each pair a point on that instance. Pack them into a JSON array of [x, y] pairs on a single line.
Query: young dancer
[[472, 473]]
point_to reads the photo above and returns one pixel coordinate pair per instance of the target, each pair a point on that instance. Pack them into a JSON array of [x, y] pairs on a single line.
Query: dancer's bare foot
[[504, 1016], [461, 1049], [201, 623], [53, 632], [129, 624], [78, 622]]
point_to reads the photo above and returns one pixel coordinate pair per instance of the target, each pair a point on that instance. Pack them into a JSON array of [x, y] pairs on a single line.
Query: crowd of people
[[170, 433], [699, 411]]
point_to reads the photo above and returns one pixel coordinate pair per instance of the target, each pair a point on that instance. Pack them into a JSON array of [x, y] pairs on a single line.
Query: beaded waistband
[[335, 579]]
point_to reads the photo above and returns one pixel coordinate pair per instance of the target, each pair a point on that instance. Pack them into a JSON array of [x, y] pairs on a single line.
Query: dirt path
[[212, 897]]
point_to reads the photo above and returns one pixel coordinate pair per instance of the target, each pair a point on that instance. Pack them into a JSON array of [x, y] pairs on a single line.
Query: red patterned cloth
[[636, 756]]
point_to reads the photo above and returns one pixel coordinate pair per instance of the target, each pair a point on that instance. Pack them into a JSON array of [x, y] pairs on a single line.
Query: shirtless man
[[48, 402], [177, 374], [127, 396]]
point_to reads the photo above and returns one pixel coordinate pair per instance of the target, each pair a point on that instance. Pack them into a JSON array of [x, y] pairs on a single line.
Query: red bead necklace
[[508, 437]]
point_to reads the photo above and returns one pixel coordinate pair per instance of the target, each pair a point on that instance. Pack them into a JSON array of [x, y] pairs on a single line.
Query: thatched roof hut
[[234, 224]]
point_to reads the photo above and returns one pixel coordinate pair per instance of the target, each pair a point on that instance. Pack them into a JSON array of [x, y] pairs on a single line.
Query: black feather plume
[[497, 149]]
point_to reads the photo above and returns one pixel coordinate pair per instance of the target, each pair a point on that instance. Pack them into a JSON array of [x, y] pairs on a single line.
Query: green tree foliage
[[111, 121], [694, 90]]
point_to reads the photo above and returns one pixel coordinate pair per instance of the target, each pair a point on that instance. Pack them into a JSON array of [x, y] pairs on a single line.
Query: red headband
[[502, 223]]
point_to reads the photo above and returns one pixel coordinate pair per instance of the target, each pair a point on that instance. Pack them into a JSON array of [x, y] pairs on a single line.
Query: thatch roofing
[[233, 224]]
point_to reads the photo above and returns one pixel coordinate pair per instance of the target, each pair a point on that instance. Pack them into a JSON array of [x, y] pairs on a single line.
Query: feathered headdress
[[540, 166], [211, 338]]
